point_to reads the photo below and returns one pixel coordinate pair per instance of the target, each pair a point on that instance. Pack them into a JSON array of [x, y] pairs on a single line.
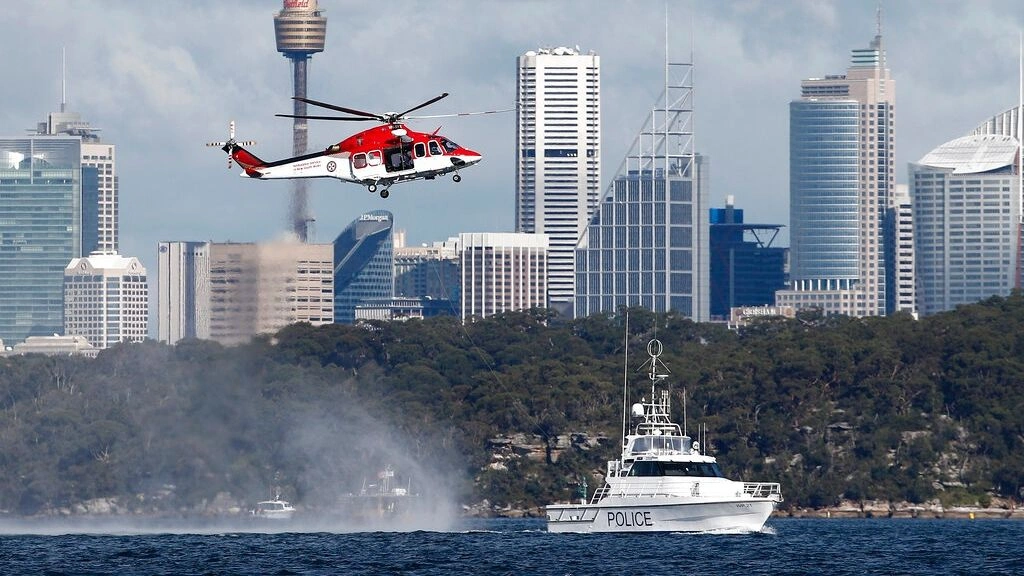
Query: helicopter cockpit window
[[449, 146], [435, 148], [421, 149], [373, 158], [359, 160]]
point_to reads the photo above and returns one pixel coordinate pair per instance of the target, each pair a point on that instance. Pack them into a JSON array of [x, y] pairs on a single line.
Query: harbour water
[[502, 546]]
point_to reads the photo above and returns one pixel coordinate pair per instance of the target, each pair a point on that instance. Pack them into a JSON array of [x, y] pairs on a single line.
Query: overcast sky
[[162, 78]]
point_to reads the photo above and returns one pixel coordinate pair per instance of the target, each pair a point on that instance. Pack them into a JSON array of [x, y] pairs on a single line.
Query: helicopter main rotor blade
[[460, 114], [339, 108], [344, 118], [427, 103]]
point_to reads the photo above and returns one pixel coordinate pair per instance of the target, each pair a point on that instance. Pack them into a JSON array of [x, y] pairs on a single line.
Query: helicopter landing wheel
[[457, 178], [372, 188], [385, 193]]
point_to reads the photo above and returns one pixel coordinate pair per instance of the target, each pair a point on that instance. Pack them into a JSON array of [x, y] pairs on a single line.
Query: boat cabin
[[272, 506], [662, 468]]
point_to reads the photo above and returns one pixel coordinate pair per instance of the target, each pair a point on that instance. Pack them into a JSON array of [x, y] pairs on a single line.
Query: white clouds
[[162, 78]]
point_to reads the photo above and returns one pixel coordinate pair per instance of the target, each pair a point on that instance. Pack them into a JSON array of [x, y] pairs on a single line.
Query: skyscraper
[[901, 288], [966, 203], [646, 243], [842, 146], [1011, 123], [100, 182], [300, 29], [364, 263], [106, 299], [558, 156], [41, 211]]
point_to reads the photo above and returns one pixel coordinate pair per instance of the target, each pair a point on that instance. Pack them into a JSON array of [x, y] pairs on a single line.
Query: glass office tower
[[40, 232], [364, 264], [647, 245], [647, 241], [824, 172], [842, 143]]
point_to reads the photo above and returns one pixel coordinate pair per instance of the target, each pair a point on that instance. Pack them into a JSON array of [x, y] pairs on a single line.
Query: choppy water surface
[[786, 546]]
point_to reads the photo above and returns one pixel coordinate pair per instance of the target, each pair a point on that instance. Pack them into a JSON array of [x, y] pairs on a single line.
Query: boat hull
[[744, 515]]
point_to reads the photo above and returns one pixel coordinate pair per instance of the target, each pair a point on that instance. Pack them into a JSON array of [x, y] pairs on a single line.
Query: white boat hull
[[671, 515]]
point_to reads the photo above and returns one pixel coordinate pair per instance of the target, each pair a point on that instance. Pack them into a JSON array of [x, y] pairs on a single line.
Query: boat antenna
[[684, 410], [625, 380]]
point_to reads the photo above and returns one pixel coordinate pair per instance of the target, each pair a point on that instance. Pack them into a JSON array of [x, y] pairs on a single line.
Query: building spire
[[878, 19], [63, 81]]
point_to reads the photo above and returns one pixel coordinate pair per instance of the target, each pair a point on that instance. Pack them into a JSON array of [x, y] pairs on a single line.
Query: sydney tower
[[300, 29]]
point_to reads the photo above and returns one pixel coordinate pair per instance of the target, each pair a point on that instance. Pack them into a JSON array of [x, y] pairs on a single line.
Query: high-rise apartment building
[[261, 288], [364, 263], [646, 243], [558, 156], [106, 299], [502, 272], [41, 231], [842, 146], [183, 291], [901, 289], [967, 210]]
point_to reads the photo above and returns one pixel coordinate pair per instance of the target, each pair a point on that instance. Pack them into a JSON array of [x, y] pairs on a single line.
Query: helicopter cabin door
[[366, 164], [398, 159]]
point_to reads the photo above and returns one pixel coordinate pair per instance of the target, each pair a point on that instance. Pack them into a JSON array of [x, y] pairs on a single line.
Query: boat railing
[[642, 490], [771, 490]]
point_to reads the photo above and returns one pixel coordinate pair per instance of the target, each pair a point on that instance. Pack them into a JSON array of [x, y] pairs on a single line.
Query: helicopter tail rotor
[[231, 144]]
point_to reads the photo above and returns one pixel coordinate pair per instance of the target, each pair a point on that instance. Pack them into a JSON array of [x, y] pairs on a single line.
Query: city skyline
[[161, 83]]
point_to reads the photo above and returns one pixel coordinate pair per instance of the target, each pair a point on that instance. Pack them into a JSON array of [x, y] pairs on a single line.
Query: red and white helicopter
[[375, 158]]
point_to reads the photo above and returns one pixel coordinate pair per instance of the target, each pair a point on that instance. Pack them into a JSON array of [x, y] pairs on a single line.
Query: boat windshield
[[692, 469], [657, 444]]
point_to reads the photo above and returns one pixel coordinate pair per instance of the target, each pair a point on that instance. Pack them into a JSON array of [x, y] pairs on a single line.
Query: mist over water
[[327, 462], [340, 482]]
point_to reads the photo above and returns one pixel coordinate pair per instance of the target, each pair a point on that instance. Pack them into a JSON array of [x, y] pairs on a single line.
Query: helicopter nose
[[466, 157]]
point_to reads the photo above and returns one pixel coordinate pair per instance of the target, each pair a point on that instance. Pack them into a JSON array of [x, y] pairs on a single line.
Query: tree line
[[832, 407]]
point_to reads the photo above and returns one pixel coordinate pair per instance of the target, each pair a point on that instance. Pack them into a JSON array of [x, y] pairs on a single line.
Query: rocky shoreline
[[875, 509], [999, 509]]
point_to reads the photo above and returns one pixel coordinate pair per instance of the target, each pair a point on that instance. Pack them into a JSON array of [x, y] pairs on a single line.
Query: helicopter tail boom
[[247, 160]]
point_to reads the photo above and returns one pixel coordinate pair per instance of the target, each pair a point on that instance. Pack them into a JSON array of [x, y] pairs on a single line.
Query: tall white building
[[106, 299], [967, 209], [902, 289], [502, 272], [183, 291], [558, 156]]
